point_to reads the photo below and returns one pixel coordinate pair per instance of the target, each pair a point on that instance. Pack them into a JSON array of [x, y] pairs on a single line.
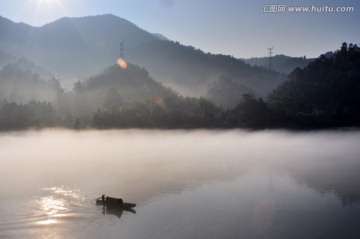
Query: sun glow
[[48, 1], [45, 10]]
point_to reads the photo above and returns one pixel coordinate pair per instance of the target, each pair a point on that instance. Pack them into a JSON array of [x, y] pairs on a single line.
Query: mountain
[[280, 63], [22, 85], [113, 88], [80, 47], [326, 93], [190, 70], [132, 83], [328, 89], [226, 92], [73, 46], [26, 65]]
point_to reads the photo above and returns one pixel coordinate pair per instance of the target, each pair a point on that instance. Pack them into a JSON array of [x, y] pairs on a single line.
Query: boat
[[114, 202]]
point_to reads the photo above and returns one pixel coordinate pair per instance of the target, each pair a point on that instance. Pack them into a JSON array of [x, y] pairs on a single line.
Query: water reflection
[[117, 211], [263, 215], [57, 202], [335, 176], [47, 222]]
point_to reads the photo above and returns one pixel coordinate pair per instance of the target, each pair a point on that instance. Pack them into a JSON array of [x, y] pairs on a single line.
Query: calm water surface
[[187, 184]]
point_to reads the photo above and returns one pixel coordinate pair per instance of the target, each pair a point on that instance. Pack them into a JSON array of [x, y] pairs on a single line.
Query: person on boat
[[103, 198], [114, 200]]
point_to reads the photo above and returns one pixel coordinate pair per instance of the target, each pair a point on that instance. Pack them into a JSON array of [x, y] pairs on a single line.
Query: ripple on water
[[54, 207]]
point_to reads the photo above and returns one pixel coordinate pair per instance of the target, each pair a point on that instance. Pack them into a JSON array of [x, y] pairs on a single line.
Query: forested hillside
[[326, 93], [328, 89]]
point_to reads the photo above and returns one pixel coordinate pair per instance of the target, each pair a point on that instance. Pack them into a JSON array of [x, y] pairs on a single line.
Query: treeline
[[168, 113], [161, 113], [22, 116]]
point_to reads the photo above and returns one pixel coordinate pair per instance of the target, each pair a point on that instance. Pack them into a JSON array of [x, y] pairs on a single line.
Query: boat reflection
[[116, 210]]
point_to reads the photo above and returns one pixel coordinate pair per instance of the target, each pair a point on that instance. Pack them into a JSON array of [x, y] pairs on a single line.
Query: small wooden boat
[[114, 202]]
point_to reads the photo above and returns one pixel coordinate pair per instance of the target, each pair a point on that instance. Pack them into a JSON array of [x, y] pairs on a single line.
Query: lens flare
[[158, 101], [122, 63]]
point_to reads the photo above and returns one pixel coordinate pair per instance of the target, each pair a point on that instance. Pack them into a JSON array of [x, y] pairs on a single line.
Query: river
[[186, 184]]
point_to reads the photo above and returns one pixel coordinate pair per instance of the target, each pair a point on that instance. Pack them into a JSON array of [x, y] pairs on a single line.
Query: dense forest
[[325, 93]]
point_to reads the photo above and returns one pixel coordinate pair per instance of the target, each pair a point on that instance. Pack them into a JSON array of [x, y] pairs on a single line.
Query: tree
[[79, 87], [251, 112], [113, 99], [344, 47]]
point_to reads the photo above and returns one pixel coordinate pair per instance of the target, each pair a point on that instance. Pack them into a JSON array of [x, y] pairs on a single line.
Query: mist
[[168, 161], [261, 178]]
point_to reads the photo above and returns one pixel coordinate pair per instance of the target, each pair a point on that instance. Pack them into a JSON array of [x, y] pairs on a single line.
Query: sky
[[241, 28]]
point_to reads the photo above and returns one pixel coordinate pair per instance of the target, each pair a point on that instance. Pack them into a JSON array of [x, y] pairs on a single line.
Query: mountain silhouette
[[113, 88], [81, 47]]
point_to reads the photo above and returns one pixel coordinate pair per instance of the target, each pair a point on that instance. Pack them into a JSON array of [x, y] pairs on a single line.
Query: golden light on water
[[122, 63], [47, 222], [57, 203], [52, 206]]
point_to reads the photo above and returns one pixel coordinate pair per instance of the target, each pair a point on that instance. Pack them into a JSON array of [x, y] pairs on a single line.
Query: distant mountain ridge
[[81, 47], [72, 46], [280, 63], [161, 37]]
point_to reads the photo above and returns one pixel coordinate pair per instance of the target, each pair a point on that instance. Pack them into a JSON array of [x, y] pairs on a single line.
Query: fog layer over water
[[187, 184]]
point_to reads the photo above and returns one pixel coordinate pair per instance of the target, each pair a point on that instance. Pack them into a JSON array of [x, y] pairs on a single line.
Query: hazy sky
[[242, 28]]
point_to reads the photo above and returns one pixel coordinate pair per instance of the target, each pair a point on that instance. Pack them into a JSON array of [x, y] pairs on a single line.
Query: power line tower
[[122, 50], [270, 53]]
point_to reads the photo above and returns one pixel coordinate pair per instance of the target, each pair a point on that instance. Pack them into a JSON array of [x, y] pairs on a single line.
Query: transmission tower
[[122, 49], [270, 53]]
